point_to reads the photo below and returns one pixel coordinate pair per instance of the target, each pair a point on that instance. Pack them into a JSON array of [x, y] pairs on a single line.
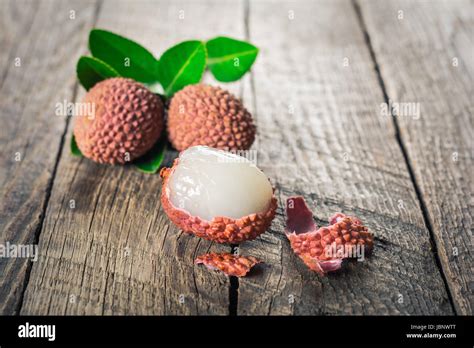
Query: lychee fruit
[[217, 195], [206, 115], [324, 249], [126, 122], [229, 264]]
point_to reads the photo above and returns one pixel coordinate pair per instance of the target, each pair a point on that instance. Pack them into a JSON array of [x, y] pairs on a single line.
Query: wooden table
[[317, 92]]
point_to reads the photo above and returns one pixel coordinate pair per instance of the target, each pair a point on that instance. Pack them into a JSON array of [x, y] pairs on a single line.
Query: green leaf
[[151, 161], [229, 59], [126, 56], [74, 149], [92, 70], [182, 65]]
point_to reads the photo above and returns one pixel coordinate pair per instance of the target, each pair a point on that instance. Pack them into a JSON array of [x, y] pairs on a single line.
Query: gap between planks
[[404, 152], [49, 189], [234, 282]]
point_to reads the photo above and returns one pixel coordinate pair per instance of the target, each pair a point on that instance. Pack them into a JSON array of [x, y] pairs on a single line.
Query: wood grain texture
[[116, 252], [31, 133], [418, 64], [321, 135], [316, 98]]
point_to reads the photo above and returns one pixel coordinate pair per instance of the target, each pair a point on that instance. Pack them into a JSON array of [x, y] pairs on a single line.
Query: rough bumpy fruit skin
[[207, 115], [323, 249], [230, 264], [128, 119], [220, 229]]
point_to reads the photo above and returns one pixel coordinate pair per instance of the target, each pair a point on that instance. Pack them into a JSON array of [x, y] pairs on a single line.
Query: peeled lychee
[[217, 195], [207, 115], [126, 122]]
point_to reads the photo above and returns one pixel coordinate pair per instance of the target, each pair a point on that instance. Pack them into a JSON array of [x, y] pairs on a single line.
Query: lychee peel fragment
[[323, 249], [219, 229], [230, 264]]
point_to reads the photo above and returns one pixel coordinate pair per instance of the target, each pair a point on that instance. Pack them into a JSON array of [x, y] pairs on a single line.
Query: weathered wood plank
[[321, 136], [429, 60], [116, 252], [31, 134]]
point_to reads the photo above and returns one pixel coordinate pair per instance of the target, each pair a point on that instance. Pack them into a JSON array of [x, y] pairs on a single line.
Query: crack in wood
[[233, 289], [49, 188], [234, 281], [419, 196]]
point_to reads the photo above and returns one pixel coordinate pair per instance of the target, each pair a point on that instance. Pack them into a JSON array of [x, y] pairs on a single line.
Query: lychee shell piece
[[230, 264], [220, 229], [313, 245], [127, 122], [207, 115]]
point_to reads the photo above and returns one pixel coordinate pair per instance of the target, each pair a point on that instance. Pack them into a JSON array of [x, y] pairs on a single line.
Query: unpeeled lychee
[[207, 115], [217, 195], [126, 122]]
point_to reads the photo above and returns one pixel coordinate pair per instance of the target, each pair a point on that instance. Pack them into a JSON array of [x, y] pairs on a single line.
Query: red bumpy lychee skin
[[220, 229], [127, 122], [207, 115], [230, 264], [323, 249]]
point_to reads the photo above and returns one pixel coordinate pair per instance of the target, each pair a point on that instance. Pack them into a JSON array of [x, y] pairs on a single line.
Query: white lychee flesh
[[212, 183]]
